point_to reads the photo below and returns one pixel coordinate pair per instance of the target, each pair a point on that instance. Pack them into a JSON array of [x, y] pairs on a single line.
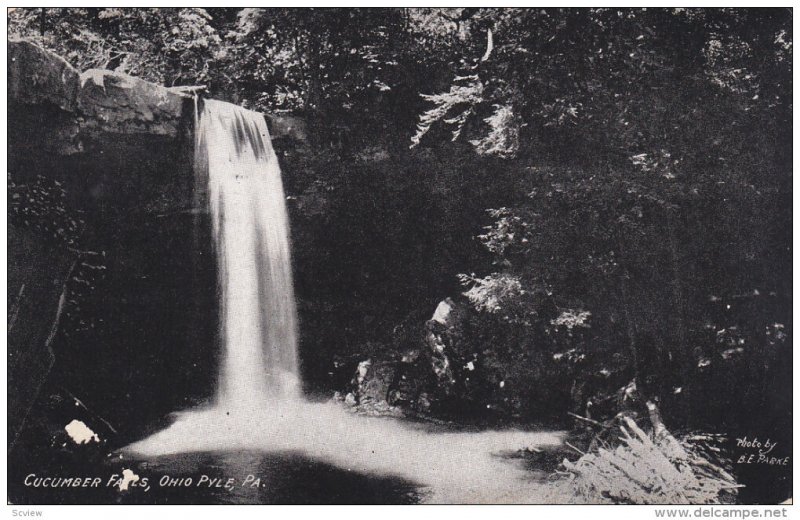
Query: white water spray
[[251, 239]]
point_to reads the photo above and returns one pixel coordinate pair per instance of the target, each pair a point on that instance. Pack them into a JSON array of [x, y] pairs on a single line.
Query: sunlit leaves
[[453, 107], [503, 137]]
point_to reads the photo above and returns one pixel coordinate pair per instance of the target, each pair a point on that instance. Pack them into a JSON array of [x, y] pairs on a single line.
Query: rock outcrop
[[118, 103], [69, 107], [423, 380]]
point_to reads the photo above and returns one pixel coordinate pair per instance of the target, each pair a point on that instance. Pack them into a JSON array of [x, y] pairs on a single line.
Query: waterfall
[[258, 318], [258, 406]]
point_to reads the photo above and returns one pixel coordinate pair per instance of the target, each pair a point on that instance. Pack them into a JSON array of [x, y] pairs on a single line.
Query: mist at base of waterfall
[[451, 467]]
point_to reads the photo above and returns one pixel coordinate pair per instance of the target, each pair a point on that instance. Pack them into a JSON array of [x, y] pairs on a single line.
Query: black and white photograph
[[400, 256]]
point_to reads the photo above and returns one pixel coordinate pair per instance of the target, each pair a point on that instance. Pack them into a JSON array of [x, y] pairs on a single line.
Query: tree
[[641, 176]]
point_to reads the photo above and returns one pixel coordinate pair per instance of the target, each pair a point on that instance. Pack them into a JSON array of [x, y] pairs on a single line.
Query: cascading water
[[258, 326], [259, 406]]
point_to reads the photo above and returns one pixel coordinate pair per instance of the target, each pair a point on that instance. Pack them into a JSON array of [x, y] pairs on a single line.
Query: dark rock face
[[109, 138], [36, 76], [36, 301]]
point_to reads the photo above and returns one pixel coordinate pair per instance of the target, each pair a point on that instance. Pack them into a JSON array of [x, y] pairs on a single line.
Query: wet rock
[[368, 397], [371, 387], [379, 409], [442, 332]]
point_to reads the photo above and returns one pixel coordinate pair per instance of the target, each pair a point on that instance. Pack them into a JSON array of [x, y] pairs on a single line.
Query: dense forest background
[[604, 194]]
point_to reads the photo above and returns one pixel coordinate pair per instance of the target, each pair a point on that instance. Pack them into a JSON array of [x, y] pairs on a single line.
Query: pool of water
[[243, 477], [314, 453]]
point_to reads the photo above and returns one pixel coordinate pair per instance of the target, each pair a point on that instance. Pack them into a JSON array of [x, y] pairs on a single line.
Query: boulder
[[372, 381], [424, 379], [442, 332], [444, 312], [370, 386]]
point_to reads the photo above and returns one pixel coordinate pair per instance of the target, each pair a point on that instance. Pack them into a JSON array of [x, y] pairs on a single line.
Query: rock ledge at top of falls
[[118, 103], [101, 100], [105, 101]]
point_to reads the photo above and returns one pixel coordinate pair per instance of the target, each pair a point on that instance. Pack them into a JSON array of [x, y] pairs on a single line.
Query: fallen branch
[[574, 448], [96, 415], [586, 419], [188, 91]]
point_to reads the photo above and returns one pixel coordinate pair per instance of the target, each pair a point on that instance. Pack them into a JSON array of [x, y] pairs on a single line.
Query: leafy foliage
[[646, 469], [42, 206], [622, 204], [169, 46]]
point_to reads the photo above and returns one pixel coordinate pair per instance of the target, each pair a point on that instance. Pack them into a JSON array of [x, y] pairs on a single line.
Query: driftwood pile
[[645, 469]]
